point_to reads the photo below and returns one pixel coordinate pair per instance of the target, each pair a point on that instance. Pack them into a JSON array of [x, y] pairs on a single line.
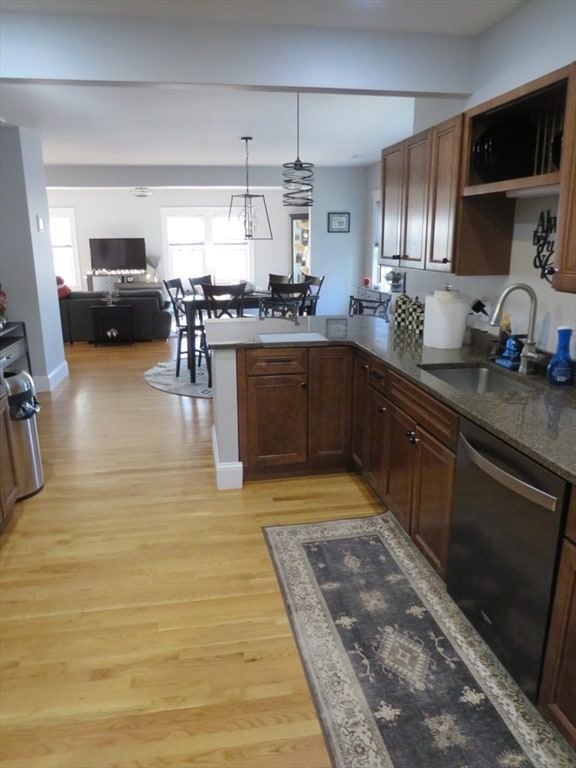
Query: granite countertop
[[540, 420]]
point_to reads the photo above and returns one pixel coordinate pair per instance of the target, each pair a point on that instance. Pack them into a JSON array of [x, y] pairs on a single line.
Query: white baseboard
[[229, 474], [53, 379]]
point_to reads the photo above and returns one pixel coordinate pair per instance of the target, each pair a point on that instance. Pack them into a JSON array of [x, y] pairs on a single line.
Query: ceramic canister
[[445, 316]]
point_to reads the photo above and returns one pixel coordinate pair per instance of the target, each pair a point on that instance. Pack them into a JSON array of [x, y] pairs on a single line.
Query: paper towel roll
[[445, 320]]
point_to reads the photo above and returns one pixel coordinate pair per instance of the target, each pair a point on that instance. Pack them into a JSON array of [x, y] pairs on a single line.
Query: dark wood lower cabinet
[[294, 410], [557, 697], [402, 465], [8, 487], [375, 464], [359, 408], [330, 407], [432, 500], [278, 408]]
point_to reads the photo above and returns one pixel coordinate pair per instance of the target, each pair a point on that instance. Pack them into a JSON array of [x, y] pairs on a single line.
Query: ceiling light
[[298, 176], [141, 191], [251, 209]]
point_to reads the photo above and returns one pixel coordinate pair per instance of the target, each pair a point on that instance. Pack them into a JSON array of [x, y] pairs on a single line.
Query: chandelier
[[298, 176], [251, 209]]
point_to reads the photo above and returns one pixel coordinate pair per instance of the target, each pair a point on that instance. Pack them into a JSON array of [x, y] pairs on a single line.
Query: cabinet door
[[415, 202], [392, 203], [330, 406], [8, 487], [276, 421], [557, 692], [565, 261], [402, 463], [376, 457], [445, 142], [359, 408], [432, 501]]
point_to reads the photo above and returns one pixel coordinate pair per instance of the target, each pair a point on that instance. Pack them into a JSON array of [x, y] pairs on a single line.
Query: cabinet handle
[[382, 409], [365, 367], [444, 260], [412, 438], [396, 256], [303, 384]]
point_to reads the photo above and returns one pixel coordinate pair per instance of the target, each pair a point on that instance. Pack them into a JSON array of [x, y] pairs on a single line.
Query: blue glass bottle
[[560, 369]]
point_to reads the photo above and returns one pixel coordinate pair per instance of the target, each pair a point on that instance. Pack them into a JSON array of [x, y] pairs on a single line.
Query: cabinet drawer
[[377, 375], [435, 417], [9, 353], [271, 362]]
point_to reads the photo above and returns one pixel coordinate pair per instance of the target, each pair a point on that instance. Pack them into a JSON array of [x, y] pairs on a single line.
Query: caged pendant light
[[298, 176], [251, 209]]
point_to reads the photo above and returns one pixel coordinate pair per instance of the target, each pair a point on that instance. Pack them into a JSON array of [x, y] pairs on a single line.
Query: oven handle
[[509, 481]]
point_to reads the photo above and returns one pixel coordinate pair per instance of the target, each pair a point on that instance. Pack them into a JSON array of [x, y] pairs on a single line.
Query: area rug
[[163, 376], [399, 677]]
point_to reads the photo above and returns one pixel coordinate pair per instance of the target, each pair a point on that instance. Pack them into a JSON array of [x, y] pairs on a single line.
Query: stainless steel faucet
[[528, 354]]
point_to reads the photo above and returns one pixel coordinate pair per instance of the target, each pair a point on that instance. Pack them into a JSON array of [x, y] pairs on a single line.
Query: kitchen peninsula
[[540, 420]]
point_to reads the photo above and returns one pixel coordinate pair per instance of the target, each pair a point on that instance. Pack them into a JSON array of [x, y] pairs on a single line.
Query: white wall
[[26, 266], [117, 213], [537, 38]]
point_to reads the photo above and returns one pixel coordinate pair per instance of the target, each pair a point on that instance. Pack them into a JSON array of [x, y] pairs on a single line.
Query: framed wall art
[[338, 221]]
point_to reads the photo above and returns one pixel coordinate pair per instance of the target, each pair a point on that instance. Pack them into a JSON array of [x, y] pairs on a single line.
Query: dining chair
[[272, 278], [196, 283], [315, 284], [224, 300], [286, 299], [176, 293]]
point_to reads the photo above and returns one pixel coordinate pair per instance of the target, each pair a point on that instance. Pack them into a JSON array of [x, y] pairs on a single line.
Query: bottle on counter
[[560, 370]]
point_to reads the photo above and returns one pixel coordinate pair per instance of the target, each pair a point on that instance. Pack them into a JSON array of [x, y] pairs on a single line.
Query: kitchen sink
[[478, 379]]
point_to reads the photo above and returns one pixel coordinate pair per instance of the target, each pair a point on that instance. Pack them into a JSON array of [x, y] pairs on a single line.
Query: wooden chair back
[[176, 293], [273, 278], [224, 299]]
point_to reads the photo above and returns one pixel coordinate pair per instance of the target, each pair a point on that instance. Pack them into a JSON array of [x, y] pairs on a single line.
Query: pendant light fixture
[[251, 209], [298, 177]]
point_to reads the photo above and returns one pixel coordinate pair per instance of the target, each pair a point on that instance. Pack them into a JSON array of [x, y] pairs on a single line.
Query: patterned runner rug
[[399, 677], [163, 377]]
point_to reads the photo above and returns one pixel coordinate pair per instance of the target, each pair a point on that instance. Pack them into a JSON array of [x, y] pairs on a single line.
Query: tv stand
[[123, 274]]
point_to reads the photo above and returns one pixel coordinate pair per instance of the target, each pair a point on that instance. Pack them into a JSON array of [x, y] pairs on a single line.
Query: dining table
[[196, 304]]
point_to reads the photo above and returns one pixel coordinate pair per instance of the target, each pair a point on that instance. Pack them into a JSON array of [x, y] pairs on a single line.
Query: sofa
[[151, 317]]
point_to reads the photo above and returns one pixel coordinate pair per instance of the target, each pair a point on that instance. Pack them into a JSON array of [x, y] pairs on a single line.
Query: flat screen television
[[118, 254]]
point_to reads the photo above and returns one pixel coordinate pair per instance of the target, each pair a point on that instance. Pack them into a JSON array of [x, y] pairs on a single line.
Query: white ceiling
[[183, 125]]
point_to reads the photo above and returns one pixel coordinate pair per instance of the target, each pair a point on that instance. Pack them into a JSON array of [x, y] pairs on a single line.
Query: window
[[201, 241], [65, 245]]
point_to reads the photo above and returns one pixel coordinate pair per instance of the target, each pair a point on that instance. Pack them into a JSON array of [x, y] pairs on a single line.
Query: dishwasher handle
[[514, 484]]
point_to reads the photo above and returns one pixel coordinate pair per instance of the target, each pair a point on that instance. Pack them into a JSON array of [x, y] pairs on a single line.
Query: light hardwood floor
[[141, 621]]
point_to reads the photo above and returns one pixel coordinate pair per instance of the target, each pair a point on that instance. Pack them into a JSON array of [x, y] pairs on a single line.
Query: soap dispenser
[[560, 370]]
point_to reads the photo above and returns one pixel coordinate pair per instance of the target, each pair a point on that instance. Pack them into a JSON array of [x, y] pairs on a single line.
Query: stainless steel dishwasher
[[508, 516]]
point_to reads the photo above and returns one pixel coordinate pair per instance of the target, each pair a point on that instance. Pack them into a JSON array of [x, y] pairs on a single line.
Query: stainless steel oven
[[507, 522]]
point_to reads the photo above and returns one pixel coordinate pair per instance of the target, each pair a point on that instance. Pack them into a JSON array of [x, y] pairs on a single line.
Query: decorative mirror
[[300, 248]]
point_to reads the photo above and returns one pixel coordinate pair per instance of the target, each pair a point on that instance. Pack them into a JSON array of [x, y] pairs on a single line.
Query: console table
[[112, 324]]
